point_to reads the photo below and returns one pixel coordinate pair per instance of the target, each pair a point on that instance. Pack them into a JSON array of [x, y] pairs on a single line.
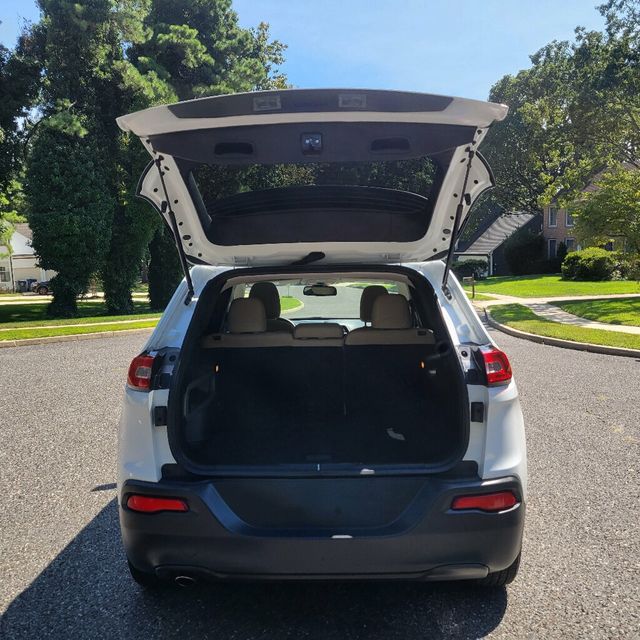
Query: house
[[558, 222], [21, 263], [557, 227], [488, 243]]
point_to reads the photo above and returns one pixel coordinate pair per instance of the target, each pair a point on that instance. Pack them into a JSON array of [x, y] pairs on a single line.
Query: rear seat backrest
[[318, 334], [368, 297], [390, 325], [247, 324], [246, 315]]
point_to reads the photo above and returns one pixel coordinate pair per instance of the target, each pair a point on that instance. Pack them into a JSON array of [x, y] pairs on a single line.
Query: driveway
[[64, 575]]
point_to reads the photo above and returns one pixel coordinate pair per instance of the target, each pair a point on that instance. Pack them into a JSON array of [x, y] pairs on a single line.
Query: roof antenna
[[465, 198], [166, 207]]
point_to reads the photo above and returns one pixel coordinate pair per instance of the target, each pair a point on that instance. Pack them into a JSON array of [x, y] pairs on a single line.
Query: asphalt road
[[63, 571]]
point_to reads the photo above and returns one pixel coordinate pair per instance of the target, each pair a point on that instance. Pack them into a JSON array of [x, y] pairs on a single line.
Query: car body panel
[[473, 178]]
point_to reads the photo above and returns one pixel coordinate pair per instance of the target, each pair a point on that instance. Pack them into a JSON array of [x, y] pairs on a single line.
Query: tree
[[198, 49], [612, 210], [164, 268], [19, 78], [70, 211], [574, 112]]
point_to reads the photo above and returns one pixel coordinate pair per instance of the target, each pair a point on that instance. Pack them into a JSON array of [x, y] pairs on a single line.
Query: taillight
[[496, 365], [139, 377], [490, 502], [153, 504]]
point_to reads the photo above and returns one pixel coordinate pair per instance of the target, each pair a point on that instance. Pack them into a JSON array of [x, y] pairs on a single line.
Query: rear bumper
[[425, 541]]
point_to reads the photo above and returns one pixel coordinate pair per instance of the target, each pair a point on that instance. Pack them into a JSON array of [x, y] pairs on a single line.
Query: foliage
[[576, 110], [524, 251], [473, 267], [199, 49], [165, 272], [589, 264], [70, 212], [612, 210]]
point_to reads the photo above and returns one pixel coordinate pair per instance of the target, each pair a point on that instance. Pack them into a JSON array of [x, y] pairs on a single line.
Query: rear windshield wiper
[[314, 256], [166, 208]]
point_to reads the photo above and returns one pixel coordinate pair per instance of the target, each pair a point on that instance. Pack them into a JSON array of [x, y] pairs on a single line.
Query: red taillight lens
[[492, 502], [140, 373], [497, 366], [152, 504]]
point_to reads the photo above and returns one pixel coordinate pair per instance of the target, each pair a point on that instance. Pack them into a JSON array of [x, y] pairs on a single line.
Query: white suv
[[319, 399]]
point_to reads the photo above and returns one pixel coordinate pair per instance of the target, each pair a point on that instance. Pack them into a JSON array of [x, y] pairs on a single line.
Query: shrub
[[524, 252], [590, 264], [630, 267], [466, 268]]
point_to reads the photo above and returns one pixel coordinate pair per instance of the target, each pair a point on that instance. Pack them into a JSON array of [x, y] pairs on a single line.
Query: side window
[[569, 219], [552, 248], [4, 274], [553, 217]]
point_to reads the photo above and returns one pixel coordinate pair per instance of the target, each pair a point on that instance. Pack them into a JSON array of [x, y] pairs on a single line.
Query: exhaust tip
[[184, 581]]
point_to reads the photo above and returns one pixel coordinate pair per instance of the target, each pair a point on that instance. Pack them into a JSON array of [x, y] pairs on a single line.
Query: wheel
[[42, 291], [501, 578], [144, 579]]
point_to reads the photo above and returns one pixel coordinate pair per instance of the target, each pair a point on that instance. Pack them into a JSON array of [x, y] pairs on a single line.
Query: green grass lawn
[[522, 318], [615, 311], [289, 302], [34, 314], [22, 334], [547, 286]]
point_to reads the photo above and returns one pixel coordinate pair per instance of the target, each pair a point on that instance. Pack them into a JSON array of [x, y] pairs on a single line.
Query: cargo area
[[316, 394]]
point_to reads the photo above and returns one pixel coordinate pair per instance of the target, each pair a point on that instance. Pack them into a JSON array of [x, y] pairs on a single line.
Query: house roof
[[21, 245], [498, 232]]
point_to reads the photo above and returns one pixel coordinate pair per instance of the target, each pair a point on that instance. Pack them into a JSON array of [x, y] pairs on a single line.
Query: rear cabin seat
[[390, 325], [368, 297], [385, 371], [267, 292]]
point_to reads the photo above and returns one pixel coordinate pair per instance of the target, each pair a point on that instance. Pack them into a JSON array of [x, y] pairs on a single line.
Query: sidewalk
[[544, 308], [556, 314]]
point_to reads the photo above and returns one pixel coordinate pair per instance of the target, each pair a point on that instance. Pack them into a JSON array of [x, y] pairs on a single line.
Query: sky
[[451, 47]]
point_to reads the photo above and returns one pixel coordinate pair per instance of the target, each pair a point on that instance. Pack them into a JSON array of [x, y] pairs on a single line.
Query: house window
[[553, 217], [5, 276], [570, 244], [552, 248], [569, 220]]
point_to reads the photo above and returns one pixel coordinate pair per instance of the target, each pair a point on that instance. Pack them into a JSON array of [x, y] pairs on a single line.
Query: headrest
[[368, 297], [267, 292], [391, 312], [246, 315], [318, 330]]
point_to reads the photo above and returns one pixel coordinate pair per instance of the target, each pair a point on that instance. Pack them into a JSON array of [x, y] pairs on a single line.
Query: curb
[[558, 342], [27, 342]]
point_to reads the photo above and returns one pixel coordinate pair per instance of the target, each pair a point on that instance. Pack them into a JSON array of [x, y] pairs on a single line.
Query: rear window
[[386, 201], [216, 182], [343, 306]]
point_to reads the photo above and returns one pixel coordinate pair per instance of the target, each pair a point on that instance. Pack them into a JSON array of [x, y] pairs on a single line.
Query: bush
[[590, 264], [524, 252], [467, 268], [630, 267]]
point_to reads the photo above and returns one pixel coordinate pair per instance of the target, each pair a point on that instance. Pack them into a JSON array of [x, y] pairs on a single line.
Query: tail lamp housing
[[496, 366], [140, 372]]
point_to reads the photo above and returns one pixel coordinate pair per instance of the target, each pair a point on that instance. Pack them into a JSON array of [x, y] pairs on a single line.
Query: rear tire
[[501, 578], [144, 579], [43, 291]]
